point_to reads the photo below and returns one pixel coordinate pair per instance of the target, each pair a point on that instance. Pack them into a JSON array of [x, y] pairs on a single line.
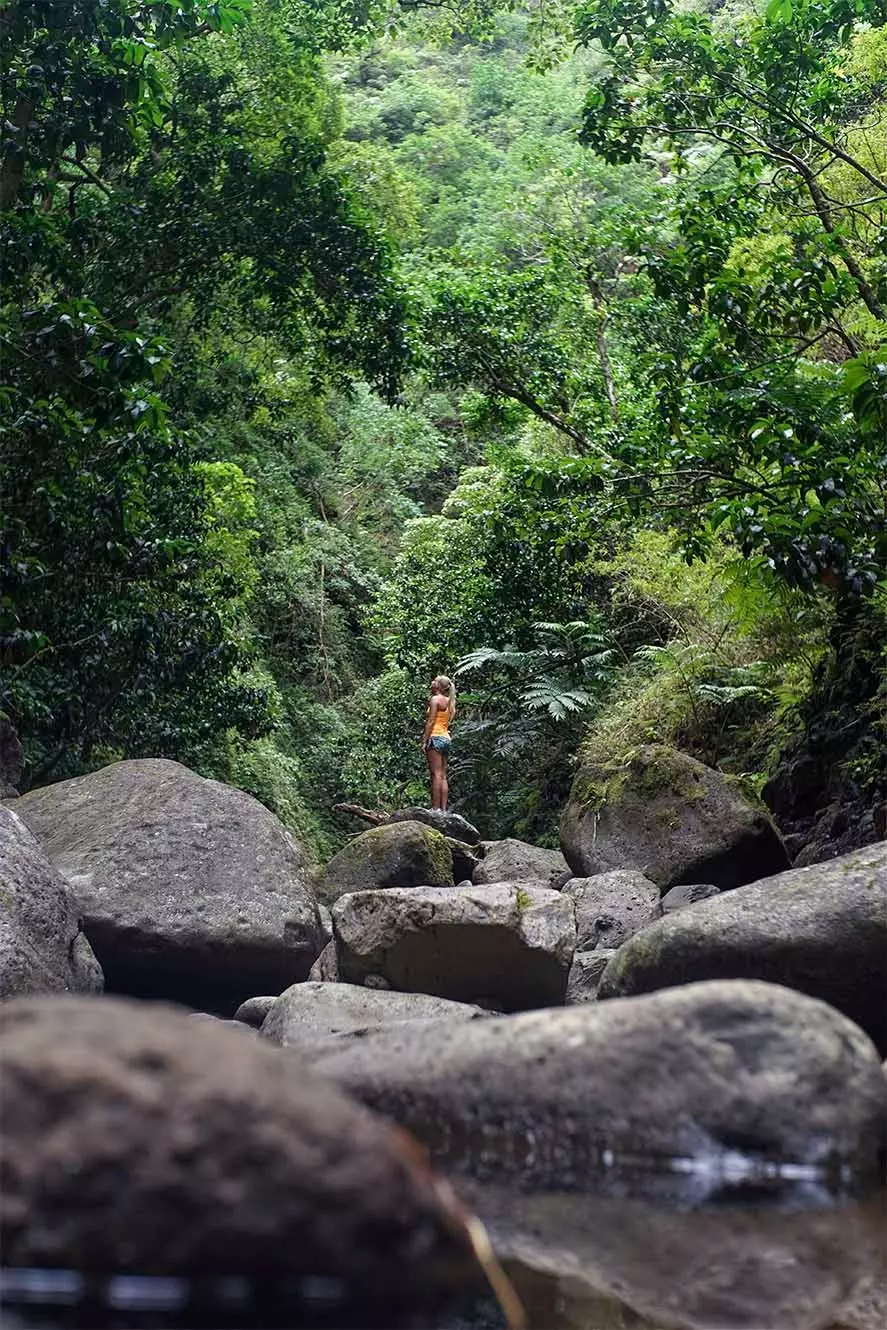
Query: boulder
[[516, 861], [821, 930], [139, 1140], [42, 946], [404, 854], [505, 945], [691, 893], [611, 907], [190, 890], [325, 969], [867, 1309], [311, 1013], [712, 1072], [585, 974], [254, 1010], [448, 824], [671, 818]]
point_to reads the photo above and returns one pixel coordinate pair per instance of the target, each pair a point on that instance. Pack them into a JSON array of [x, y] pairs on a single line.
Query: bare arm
[[434, 707]]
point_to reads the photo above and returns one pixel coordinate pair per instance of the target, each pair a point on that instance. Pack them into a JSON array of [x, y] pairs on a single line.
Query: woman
[[436, 738]]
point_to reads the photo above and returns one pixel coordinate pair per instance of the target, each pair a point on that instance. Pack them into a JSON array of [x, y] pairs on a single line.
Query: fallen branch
[[367, 814]]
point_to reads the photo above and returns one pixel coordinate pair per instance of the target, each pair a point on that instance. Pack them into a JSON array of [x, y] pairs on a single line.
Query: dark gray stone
[[705, 1071], [669, 817], [515, 861], [42, 946], [504, 945], [325, 969], [611, 907], [138, 1139], [313, 1013], [822, 930], [404, 854], [254, 1010], [190, 890], [448, 824], [585, 975], [691, 893]]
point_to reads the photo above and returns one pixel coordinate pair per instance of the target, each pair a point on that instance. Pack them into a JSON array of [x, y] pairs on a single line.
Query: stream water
[[638, 1250]]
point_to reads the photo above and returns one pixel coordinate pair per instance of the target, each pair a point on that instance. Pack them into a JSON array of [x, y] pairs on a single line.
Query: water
[[692, 1248]]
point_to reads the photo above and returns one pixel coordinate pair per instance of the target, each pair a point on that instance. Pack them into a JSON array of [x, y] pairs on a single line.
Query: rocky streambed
[[651, 1065]]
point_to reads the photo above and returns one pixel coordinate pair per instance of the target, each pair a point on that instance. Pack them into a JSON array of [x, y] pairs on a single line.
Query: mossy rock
[[402, 854], [662, 813]]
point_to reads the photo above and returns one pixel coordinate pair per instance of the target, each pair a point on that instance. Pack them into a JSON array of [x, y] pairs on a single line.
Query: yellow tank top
[[441, 723]]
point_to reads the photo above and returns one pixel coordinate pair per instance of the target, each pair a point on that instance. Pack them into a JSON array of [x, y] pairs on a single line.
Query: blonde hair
[[447, 687]]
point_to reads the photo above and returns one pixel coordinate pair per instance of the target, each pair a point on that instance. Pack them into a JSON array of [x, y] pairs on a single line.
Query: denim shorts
[[441, 742]]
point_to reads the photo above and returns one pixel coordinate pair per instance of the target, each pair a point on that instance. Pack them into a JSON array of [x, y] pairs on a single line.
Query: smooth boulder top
[[448, 824], [311, 1013], [189, 889], [42, 946], [669, 817], [710, 1071], [820, 929], [503, 945], [138, 1139], [402, 854]]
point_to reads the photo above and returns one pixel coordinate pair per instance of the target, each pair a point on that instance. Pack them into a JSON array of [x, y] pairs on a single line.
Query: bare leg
[[443, 786], [436, 764]]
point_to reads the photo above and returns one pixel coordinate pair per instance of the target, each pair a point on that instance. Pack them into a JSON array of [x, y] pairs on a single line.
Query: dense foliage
[[346, 343]]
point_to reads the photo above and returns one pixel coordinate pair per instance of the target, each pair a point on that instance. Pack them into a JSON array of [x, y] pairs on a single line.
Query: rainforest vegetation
[[343, 342]]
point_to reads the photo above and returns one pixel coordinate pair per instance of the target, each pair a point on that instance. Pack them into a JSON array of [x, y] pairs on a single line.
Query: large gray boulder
[[448, 824], [704, 1072], [821, 929], [611, 907], [42, 946], [515, 861], [505, 945], [671, 818], [404, 854], [313, 1013], [136, 1139], [189, 890]]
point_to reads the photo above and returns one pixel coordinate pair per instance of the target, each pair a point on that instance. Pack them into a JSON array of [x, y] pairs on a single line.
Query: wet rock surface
[[404, 854], [671, 818], [583, 1259], [508, 946], [820, 929], [190, 890], [42, 946], [138, 1139], [312, 1013], [515, 861], [706, 1070], [611, 907]]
